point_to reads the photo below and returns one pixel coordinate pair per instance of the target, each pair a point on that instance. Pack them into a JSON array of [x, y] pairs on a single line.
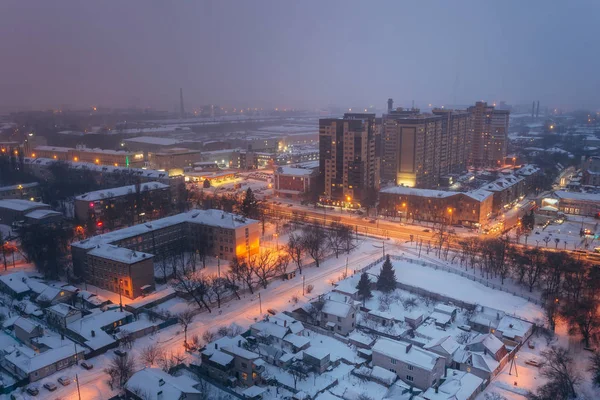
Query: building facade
[[293, 182], [489, 135], [472, 208], [349, 158], [25, 191], [92, 156], [419, 149]]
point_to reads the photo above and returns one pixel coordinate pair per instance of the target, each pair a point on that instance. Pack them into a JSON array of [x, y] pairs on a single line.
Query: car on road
[[426, 230], [64, 380], [33, 390], [120, 353], [372, 221], [290, 205], [272, 311], [50, 386], [87, 365]]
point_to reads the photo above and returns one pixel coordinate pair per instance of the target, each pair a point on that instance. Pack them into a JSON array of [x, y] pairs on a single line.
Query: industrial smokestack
[[537, 111], [181, 109], [533, 110], [390, 104]]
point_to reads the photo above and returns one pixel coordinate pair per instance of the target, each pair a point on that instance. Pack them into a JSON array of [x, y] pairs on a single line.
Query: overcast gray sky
[[297, 54]]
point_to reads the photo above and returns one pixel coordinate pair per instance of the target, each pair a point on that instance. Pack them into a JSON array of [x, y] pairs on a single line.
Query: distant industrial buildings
[[92, 156]]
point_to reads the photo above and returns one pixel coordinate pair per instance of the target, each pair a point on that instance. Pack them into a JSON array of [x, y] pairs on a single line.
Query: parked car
[[87, 365], [426, 230], [50, 386], [272, 311], [120, 353], [64, 380], [33, 390]]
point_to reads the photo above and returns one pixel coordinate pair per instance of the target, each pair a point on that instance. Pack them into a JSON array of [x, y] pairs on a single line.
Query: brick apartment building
[[291, 182], [123, 205], [489, 135], [466, 208], [214, 232], [349, 158]]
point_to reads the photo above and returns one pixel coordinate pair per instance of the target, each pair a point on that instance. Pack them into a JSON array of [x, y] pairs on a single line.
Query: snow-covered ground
[[567, 234]]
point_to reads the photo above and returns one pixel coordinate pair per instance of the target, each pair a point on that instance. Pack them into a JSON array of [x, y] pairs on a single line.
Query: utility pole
[[260, 303], [303, 279], [513, 363], [77, 381], [218, 266], [346, 267], [383, 247]]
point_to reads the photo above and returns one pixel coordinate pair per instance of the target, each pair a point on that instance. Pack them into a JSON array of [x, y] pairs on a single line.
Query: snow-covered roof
[[253, 391], [317, 352], [269, 329], [577, 196], [20, 186], [441, 318], [141, 302], [285, 170], [406, 352], [478, 194], [285, 320], [446, 309], [155, 140], [337, 308], [20, 205], [95, 322], [152, 381], [29, 361], [480, 361], [119, 254], [512, 327], [488, 340], [16, 282], [296, 340], [446, 344], [62, 309], [457, 385], [221, 358], [240, 352], [120, 191], [25, 324], [216, 218], [359, 337], [41, 214]]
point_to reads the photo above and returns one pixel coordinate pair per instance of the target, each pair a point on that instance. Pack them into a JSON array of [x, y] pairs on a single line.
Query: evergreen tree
[[386, 282], [364, 287], [249, 207]]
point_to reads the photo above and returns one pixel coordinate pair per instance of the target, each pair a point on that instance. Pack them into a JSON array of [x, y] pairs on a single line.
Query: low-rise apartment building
[[174, 159], [413, 365], [25, 191], [577, 203], [293, 182], [465, 208], [123, 205], [213, 232], [120, 270], [12, 210], [94, 156]]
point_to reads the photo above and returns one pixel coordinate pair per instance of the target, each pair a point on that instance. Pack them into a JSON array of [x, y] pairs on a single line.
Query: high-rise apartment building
[[349, 158], [489, 135], [419, 149]]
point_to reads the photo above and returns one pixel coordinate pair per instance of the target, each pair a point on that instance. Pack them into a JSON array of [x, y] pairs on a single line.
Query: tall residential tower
[[489, 135], [349, 158]]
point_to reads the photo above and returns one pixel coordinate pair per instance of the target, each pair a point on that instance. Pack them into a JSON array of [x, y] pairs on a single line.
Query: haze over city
[[307, 55]]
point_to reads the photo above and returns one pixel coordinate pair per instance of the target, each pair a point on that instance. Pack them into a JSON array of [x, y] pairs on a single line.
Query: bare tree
[[299, 372], [314, 239], [534, 266], [562, 376], [295, 248], [150, 354], [266, 266], [120, 369], [243, 272], [184, 319], [314, 310], [195, 285], [126, 339], [231, 283], [218, 287], [335, 238]]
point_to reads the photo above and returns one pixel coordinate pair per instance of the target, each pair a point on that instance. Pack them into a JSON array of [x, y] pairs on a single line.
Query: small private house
[[15, 285], [318, 359], [488, 344], [482, 356], [26, 363], [25, 330], [455, 385], [229, 363], [445, 347], [95, 330], [513, 331], [413, 365], [155, 384], [338, 317], [60, 315]]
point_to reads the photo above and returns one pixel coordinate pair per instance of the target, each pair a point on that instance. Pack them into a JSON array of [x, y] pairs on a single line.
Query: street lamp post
[[120, 297], [218, 267], [450, 212]]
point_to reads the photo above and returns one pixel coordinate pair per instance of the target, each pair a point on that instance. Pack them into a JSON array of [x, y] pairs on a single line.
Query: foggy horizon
[[297, 55]]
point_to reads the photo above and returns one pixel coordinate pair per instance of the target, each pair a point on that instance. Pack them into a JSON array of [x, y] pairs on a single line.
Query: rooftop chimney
[[408, 347]]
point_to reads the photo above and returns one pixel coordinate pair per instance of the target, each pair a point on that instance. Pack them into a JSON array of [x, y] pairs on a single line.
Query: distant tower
[[390, 104], [181, 109], [537, 111], [533, 109]]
